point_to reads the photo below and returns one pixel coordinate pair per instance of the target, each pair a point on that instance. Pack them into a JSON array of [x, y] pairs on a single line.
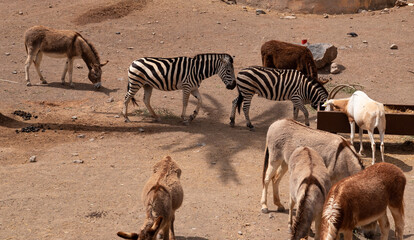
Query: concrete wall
[[319, 6]]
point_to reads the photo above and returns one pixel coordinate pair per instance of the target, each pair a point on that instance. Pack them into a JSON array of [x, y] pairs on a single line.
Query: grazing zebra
[[169, 74], [277, 85]]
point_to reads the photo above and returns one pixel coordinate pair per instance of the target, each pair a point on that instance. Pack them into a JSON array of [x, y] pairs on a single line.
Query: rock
[[162, 42], [111, 99], [14, 72], [323, 53], [130, 48], [385, 11], [74, 117], [288, 17], [271, 216], [118, 33], [77, 161], [201, 144], [81, 136], [260, 11], [92, 139], [75, 154], [325, 15], [32, 159], [78, 66], [411, 4], [365, 41], [393, 46], [140, 129], [116, 116], [240, 233], [335, 68], [352, 34], [7, 54], [218, 22], [20, 13]]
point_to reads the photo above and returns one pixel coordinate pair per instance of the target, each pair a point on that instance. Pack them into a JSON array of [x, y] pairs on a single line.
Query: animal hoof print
[[265, 210]]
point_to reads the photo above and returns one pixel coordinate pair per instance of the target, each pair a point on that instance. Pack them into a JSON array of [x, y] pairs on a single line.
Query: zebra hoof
[[265, 210], [231, 124]]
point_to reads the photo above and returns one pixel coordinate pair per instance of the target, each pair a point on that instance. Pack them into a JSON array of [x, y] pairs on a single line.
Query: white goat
[[368, 115]]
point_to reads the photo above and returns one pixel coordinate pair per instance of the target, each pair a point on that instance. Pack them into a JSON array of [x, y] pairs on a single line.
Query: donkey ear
[[103, 64], [156, 224]]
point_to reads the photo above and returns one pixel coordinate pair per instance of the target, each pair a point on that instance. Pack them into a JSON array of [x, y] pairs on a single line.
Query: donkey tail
[[127, 235], [266, 164]]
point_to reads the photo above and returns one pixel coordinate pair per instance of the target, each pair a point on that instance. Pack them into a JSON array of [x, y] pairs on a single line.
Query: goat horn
[[336, 89]]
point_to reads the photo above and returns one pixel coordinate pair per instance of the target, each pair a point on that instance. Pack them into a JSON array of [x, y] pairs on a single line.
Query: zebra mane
[[201, 55]]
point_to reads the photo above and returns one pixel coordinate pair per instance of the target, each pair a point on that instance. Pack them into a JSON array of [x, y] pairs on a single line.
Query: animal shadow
[[80, 87], [190, 238]]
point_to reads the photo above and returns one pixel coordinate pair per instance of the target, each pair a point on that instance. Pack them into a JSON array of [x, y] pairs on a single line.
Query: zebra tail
[[134, 101], [239, 101], [266, 164]]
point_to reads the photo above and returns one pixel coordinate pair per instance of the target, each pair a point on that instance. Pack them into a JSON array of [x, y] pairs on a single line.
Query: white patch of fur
[[331, 214]]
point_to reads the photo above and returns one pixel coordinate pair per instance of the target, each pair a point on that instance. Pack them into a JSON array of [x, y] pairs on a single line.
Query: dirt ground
[[55, 198]]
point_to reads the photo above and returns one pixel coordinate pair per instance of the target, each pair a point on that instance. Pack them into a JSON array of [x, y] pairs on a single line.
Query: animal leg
[[384, 226], [398, 216], [291, 206], [147, 97], [246, 107], [347, 235], [295, 113], [70, 70], [382, 145], [361, 146], [352, 126], [27, 64], [197, 95], [371, 138], [65, 70], [318, 220], [280, 172], [37, 62], [172, 234], [166, 232], [233, 111], [186, 96], [297, 103], [270, 173]]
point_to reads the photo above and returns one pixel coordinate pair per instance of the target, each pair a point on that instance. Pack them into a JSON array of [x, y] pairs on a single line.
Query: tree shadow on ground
[[80, 87]]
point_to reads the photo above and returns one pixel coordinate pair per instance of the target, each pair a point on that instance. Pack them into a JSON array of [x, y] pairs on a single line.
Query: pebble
[[218, 22], [335, 68], [393, 46], [20, 13], [78, 66], [201, 144], [92, 139], [130, 47], [260, 11], [111, 99], [162, 42], [288, 17], [116, 116], [14, 72], [325, 15], [118, 33], [74, 117], [33, 159], [81, 136], [7, 54], [271, 216], [77, 161], [165, 96], [75, 154], [240, 232], [140, 129], [365, 41]]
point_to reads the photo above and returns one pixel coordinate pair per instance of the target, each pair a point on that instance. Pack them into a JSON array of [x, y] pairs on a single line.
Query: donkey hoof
[[28, 84], [265, 210], [281, 209]]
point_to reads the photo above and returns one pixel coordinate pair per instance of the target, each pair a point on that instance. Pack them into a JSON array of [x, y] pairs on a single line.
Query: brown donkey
[[309, 184], [40, 40], [162, 196], [363, 198]]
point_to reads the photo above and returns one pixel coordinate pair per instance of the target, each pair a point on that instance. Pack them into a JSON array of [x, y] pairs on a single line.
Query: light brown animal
[[363, 198], [366, 113], [162, 196], [285, 135], [283, 55], [309, 184], [40, 40]]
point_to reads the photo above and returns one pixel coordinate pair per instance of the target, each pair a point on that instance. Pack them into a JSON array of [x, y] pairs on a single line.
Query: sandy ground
[[55, 198]]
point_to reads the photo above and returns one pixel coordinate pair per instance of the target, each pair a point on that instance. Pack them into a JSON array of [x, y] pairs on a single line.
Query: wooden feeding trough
[[399, 118]]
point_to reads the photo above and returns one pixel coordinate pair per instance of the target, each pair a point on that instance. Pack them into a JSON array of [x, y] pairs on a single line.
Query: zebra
[[277, 85], [170, 74]]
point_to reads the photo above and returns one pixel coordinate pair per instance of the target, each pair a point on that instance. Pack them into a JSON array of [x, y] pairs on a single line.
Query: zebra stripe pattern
[[277, 85], [170, 74]]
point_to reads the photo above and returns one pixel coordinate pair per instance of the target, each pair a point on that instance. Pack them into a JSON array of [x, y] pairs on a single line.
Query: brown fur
[[285, 135], [283, 55], [309, 183], [363, 198], [41, 40], [162, 196]]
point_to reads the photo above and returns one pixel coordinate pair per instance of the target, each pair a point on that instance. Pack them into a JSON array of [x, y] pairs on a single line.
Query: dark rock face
[[323, 53]]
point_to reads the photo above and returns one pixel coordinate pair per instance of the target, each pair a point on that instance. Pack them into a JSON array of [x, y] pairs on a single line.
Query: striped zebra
[[277, 85], [170, 74]]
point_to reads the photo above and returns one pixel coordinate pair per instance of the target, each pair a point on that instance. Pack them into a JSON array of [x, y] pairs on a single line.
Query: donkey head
[[95, 74], [226, 72]]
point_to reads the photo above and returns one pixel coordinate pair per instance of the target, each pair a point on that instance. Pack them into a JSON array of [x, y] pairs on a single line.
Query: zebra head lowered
[[226, 71]]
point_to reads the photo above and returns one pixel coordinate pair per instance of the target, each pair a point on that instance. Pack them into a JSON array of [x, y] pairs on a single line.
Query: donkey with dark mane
[[309, 184], [40, 40]]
